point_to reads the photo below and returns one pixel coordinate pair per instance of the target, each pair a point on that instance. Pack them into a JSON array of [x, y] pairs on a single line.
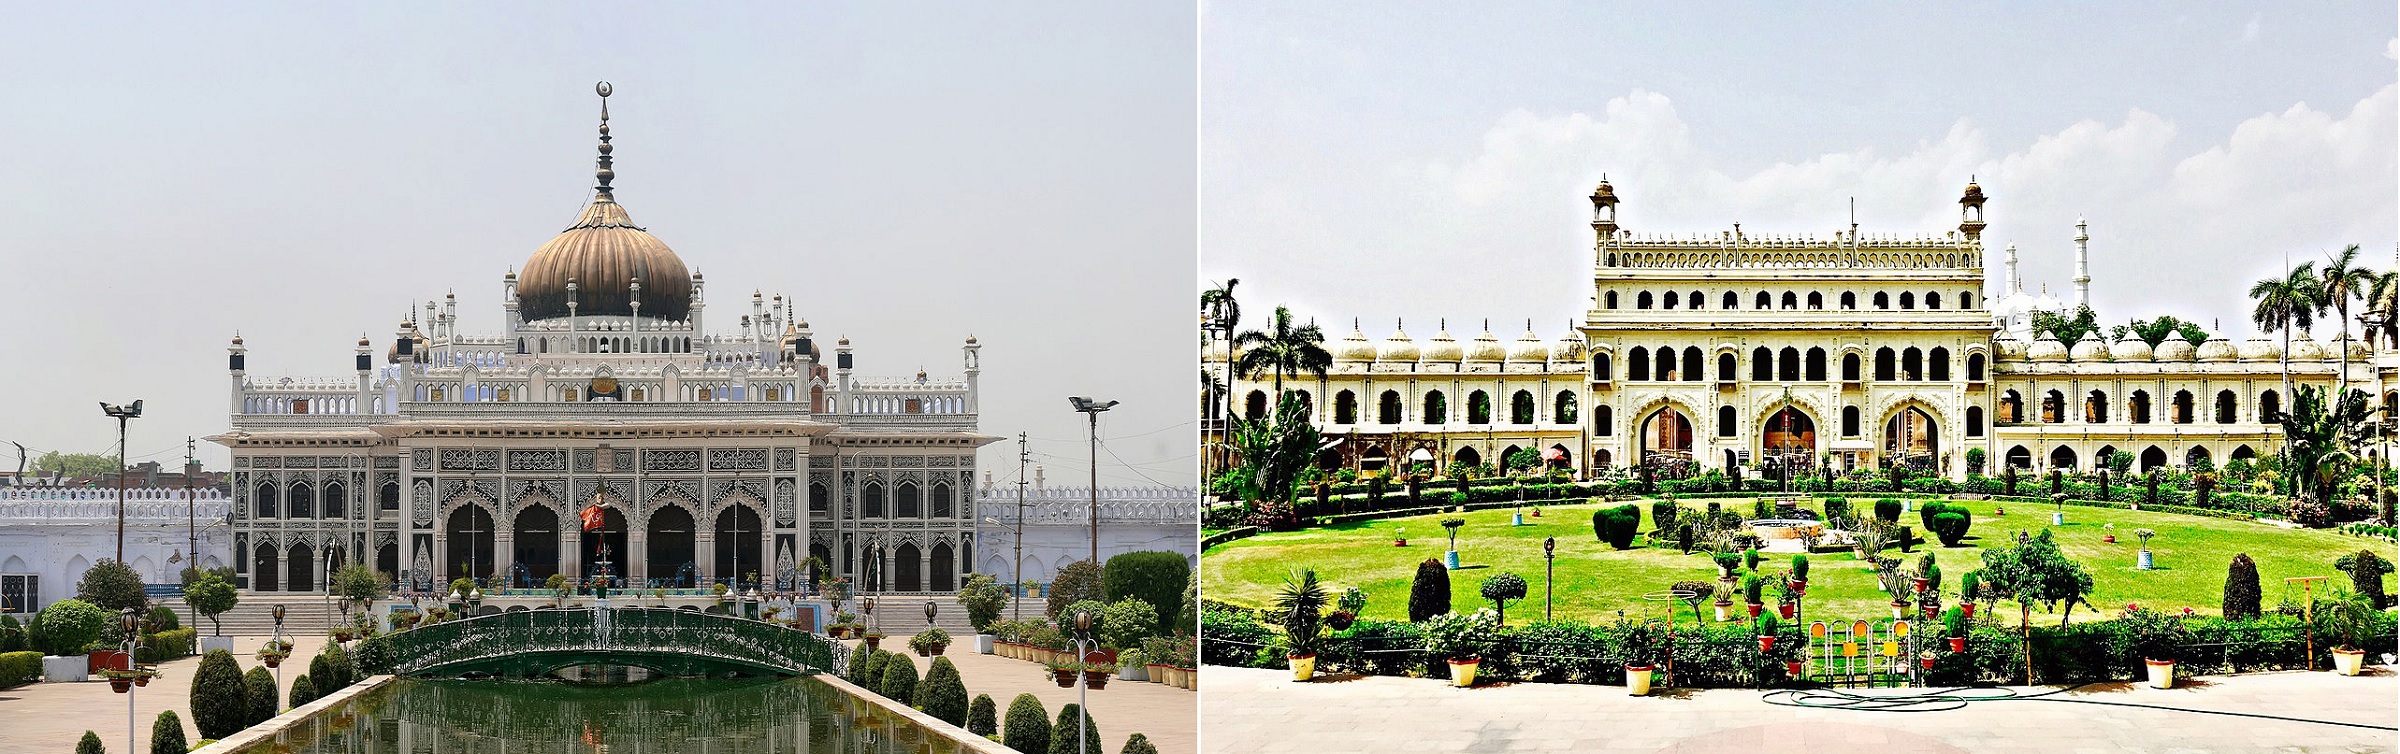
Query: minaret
[[2013, 285], [509, 313], [234, 358], [2083, 267], [366, 371], [974, 369], [841, 376], [1970, 211]]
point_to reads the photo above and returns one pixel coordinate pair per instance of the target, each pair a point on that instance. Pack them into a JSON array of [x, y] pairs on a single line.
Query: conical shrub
[[943, 694], [259, 686], [1028, 726], [166, 735], [1063, 739], [983, 716], [220, 702], [899, 679]]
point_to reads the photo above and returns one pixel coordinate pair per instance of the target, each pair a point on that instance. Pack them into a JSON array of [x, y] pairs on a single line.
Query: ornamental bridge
[[669, 642]]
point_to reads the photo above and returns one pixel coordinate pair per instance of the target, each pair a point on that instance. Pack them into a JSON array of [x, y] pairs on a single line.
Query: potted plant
[[1096, 674], [1399, 537], [1954, 622], [1927, 657], [1726, 562], [2108, 533], [2351, 617], [1461, 640], [930, 642], [1063, 672], [1897, 584], [1970, 589], [1787, 598], [1724, 603], [1766, 633], [1450, 558], [873, 638], [2058, 517], [1642, 646], [1132, 666], [2141, 560], [274, 651], [1753, 593], [2157, 638], [1800, 574], [1301, 604]]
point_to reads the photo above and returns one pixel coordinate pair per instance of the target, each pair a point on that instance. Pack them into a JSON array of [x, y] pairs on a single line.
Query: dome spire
[[607, 172]]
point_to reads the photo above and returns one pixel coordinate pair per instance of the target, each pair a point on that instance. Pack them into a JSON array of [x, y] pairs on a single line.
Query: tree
[[1152, 576], [258, 686], [1138, 744], [2156, 331], [2343, 281], [1124, 623], [943, 694], [358, 584], [2384, 297], [1028, 725], [2241, 589], [303, 690], [1075, 582], [166, 735], [1063, 738], [1273, 451], [1187, 619], [220, 703], [70, 626], [2285, 303], [984, 599], [1429, 595], [983, 716], [211, 596], [2320, 448], [2366, 571], [73, 465], [1283, 348], [2068, 329], [112, 586], [899, 679], [1502, 587], [90, 744], [2035, 571]]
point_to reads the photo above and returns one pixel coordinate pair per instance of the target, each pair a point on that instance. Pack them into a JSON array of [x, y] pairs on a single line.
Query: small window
[[1849, 300]]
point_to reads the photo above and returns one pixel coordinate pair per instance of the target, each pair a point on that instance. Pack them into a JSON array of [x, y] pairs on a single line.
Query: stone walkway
[[1168, 716], [1252, 710], [47, 718]]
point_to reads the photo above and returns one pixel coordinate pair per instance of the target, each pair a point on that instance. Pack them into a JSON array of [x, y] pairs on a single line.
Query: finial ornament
[[607, 171]]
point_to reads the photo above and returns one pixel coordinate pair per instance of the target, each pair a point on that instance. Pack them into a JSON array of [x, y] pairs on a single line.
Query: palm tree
[[2324, 441], [2287, 302], [1283, 349], [2383, 296], [2343, 280], [1220, 312]]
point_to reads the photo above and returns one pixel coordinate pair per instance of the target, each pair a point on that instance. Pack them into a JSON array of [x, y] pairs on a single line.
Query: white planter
[[2347, 663], [1133, 673], [1637, 682], [983, 643], [1721, 614], [2162, 674], [208, 643], [71, 668]]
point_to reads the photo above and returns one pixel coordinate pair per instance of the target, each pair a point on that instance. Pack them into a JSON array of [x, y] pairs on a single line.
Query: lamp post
[[130, 626], [123, 414], [1090, 407], [1016, 567], [1549, 563], [2375, 321], [1083, 684], [930, 609], [277, 640], [868, 604]]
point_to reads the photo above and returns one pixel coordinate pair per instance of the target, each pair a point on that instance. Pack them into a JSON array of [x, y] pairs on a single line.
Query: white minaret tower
[[2083, 266], [2013, 284]]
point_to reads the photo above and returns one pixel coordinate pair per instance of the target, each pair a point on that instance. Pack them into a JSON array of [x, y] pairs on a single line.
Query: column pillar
[[637, 555], [504, 552], [704, 550]]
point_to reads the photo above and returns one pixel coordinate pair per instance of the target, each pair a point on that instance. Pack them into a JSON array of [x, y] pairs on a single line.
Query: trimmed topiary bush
[[70, 626], [1430, 594], [1152, 576], [12, 635], [871, 679], [19, 668], [1138, 744], [1663, 513], [166, 735], [1075, 582], [303, 690], [374, 656], [220, 703], [943, 694], [1028, 725], [1951, 526], [2241, 589], [90, 744], [899, 679], [856, 674], [1888, 510], [163, 619], [983, 716], [113, 586], [2366, 571], [258, 686], [1063, 738]]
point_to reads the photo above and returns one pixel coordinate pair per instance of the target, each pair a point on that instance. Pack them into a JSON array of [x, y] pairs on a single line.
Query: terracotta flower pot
[[1064, 677], [2109, 538], [140, 681], [1766, 643], [1399, 543], [1793, 668], [272, 662], [1921, 583], [1926, 661], [1800, 587], [1958, 644], [119, 685], [1967, 609], [937, 649], [1095, 679], [872, 641], [1756, 608], [1787, 609]]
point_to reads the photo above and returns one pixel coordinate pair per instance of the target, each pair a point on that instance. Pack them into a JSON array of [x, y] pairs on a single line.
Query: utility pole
[[191, 530], [1016, 608], [1092, 407], [122, 414]]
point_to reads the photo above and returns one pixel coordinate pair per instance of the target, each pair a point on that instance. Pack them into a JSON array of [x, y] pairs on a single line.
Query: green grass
[[1594, 582]]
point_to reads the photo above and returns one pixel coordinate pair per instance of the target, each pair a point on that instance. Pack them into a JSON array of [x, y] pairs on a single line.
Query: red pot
[[1787, 609], [1766, 643], [1929, 612], [872, 641], [1793, 668], [272, 662], [1958, 644], [1921, 583], [1537, 513], [2110, 539], [1926, 661], [141, 681], [1065, 678], [1800, 587], [1095, 679], [937, 649], [1756, 608], [1399, 543], [1966, 609], [119, 685]]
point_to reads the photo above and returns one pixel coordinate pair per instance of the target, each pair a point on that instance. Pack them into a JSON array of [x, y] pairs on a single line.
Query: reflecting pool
[[703, 715]]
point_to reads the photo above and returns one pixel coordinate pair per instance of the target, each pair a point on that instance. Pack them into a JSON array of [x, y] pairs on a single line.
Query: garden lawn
[[1594, 582]]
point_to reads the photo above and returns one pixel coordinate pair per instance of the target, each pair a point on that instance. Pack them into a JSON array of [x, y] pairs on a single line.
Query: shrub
[[1151, 576], [113, 586], [1076, 582], [943, 694], [1063, 738], [2366, 571], [12, 635], [1138, 744], [1124, 623], [1233, 636], [1502, 587], [1837, 512], [19, 668], [1888, 510], [337, 662], [90, 744], [1066, 616], [2241, 588], [899, 679], [1951, 526], [220, 703], [1028, 725], [166, 645], [166, 735], [303, 690], [871, 678], [258, 688], [984, 599], [374, 656], [163, 619], [1618, 525], [1663, 513], [211, 595], [982, 716], [1430, 594], [856, 674], [71, 625]]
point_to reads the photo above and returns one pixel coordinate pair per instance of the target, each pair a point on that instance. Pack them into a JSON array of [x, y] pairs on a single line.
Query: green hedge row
[[167, 645], [18, 668]]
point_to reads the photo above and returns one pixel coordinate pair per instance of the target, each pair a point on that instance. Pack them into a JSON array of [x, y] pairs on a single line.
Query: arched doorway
[[387, 559], [906, 563], [669, 547], [1666, 439], [1789, 438], [737, 532], [612, 535], [299, 569], [469, 534], [263, 569], [2062, 457], [536, 542], [2194, 458], [2153, 457], [942, 568], [1912, 440], [2019, 457], [1466, 456]]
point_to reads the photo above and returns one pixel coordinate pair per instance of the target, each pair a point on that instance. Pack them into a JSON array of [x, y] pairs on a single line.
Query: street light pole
[[1016, 603], [1091, 407], [122, 414], [1549, 567]]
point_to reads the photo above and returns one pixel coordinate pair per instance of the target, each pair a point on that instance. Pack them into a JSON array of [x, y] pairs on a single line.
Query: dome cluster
[[1486, 349], [2173, 349]]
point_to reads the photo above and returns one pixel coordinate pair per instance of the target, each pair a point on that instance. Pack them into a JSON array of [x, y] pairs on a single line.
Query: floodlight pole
[[123, 414], [1092, 407]]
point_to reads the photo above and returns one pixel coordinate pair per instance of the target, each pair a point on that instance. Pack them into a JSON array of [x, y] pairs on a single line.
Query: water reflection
[[710, 716]]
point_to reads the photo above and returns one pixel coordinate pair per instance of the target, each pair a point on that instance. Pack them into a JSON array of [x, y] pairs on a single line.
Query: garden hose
[[1943, 700]]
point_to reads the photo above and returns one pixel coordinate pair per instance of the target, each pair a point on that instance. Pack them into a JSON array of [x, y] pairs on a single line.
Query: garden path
[[45, 718], [1168, 716]]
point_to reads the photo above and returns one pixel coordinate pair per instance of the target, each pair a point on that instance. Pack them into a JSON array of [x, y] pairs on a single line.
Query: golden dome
[[603, 254]]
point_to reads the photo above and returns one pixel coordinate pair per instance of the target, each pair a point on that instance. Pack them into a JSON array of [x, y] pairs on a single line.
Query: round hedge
[[1028, 725]]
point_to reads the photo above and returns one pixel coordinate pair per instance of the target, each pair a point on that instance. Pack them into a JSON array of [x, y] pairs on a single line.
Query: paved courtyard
[[1252, 710], [1168, 716], [47, 718]]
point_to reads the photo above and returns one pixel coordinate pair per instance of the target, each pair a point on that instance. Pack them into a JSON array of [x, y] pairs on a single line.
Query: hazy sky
[[170, 173], [1380, 160]]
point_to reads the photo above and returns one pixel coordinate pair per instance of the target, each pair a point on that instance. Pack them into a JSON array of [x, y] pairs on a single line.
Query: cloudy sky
[[172, 173], [1383, 160]]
